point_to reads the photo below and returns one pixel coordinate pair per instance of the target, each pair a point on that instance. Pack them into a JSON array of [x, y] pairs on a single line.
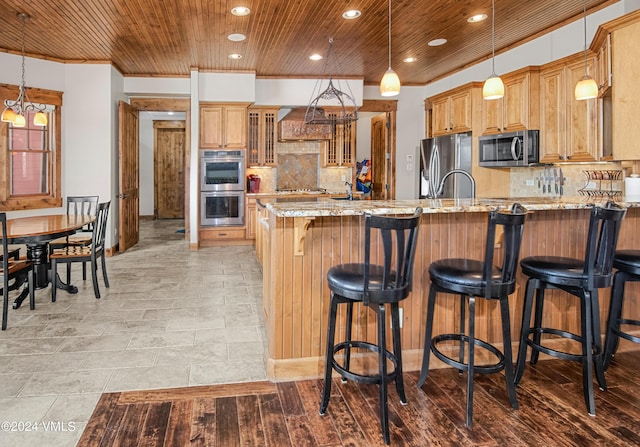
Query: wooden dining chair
[[14, 269], [81, 253], [78, 205]]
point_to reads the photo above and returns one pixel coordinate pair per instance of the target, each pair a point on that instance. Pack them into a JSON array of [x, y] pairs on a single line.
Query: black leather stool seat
[[568, 272], [471, 279], [628, 264], [349, 280], [376, 286], [580, 278], [627, 261], [461, 275]]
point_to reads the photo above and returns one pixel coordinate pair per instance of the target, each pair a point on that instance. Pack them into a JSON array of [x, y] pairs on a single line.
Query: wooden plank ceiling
[[169, 37]]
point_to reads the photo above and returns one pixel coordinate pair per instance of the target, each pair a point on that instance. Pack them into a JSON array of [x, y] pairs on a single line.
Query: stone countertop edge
[[329, 207]]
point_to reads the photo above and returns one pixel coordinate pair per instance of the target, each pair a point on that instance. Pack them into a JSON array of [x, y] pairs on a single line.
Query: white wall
[[89, 136], [300, 92]]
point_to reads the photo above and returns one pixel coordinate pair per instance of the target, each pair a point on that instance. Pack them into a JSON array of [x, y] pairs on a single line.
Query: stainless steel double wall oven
[[222, 184]]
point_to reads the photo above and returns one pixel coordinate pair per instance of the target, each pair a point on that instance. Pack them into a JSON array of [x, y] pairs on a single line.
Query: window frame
[[36, 201]]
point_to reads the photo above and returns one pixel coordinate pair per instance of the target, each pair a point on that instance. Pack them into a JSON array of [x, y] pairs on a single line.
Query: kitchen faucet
[[440, 189], [349, 187]]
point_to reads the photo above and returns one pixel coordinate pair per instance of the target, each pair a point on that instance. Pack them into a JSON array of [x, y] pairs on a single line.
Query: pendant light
[[15, 112], [390, 84], [586, 88], [493, 87]]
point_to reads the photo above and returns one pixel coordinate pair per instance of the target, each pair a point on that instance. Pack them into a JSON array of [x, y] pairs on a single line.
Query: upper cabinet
[[625, 100], [223, 126], [518, 109], [262, 136], [568, 128], [340, 149], [452, 111]]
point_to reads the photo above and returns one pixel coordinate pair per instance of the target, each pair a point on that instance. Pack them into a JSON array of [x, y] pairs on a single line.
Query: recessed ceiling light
[[477, 18], [409, 59], [235, 56], [236, 37], [351, 14], [315, 57], [437, 42], [240, 11]]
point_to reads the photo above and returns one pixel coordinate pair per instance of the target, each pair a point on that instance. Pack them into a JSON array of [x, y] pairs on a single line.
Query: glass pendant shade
[[8, 115], [40, 119], [390, 84], [493, 87], [19, 121], [586, 88]]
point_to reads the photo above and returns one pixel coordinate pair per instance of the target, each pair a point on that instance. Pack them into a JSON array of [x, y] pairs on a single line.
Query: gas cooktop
[[312, 190]]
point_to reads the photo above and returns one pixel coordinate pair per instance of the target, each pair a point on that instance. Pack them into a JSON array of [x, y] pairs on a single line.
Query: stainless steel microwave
[[509, 149]]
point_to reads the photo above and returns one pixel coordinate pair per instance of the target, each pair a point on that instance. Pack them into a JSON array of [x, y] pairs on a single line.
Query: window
[[30, 155]]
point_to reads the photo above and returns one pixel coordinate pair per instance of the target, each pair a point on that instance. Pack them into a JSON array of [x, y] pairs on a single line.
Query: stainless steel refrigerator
[[440, 155]]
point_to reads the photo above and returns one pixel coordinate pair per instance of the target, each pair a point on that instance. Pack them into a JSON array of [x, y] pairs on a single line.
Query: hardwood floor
[[552, 412]]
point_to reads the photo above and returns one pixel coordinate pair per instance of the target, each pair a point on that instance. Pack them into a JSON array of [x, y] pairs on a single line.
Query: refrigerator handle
[[434, 170]]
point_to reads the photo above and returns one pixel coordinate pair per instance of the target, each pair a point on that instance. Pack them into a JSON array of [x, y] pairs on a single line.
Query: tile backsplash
[[524, 181], [299, 175]]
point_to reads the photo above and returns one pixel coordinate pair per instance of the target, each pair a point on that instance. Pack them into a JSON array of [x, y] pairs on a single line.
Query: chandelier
[[15, 112], [345, 104]]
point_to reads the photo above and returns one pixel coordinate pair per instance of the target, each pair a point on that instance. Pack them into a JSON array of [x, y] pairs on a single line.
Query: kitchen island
[[300, 241]]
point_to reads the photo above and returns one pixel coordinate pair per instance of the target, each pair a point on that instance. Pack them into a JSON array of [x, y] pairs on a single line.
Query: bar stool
[[375, 286], [628, 264], [473, 279], [581, 278]]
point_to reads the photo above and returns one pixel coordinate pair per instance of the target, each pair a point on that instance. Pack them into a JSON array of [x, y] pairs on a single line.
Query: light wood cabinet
[[340, 149], [223, 126], [568, 128], [603, 64], [452, 111], [251, 218], [262, 136], [625, 99], [518, 109], [213, 236]]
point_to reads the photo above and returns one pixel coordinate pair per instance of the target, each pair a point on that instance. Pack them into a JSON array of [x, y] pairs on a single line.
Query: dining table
[[36, 232]]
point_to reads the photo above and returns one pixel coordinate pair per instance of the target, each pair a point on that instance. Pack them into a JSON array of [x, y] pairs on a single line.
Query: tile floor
[[171, 318]]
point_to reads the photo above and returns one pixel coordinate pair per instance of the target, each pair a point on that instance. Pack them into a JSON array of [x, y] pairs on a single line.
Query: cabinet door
[[492, 116], [625, 98], [441, 123], [582, 117], [603, 65], [211, 127], [253, 139], [262, 137], [235, 127], [252, 217], [461, 111], [516, 104], [552, 115], [340, 149]]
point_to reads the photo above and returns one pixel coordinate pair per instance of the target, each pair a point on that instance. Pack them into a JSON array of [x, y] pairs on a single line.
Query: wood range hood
[[293, 128]]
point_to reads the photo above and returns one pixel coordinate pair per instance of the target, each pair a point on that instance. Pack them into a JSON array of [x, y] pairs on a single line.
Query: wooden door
[[378, 157], [129, 169], [169, 151]]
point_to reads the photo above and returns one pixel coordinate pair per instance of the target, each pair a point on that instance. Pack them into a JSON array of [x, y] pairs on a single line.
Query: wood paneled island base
[[301, 241]]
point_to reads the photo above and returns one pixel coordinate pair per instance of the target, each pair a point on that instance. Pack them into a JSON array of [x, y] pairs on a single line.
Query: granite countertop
[[331, 207]]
